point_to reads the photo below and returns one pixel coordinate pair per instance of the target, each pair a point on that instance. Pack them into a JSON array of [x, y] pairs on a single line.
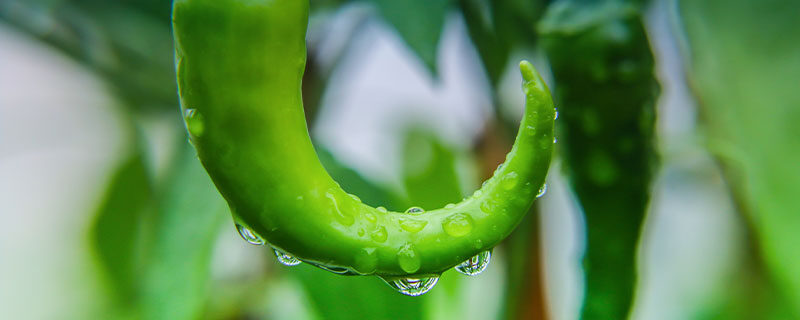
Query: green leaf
[[343, 298], [744, 68], [429, 171], [352, 182], [496, 27], [191, 211], [127, 43], [419, 23], [117, 231]]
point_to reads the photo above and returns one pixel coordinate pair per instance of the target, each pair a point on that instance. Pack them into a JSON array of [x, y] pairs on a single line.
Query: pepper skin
[[240, 66]]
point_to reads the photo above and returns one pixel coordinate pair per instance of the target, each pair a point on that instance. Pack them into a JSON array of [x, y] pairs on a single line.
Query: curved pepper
[[240, 66]]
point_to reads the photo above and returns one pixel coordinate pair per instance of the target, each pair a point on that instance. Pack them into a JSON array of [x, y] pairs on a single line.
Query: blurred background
[[673, 192]]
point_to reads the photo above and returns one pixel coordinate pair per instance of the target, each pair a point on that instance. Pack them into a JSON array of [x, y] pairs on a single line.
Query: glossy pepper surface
[[240, 65]]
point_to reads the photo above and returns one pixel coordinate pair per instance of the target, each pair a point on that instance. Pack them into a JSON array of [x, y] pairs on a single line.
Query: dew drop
[[457, 225], [475, 265], [531, 130], [371, 217], [249, 236], [379, 234], [486, 207], [412, 225], [343, 217], [286, 259], [555, 140], [413, 286], [477, 193], [510, 180], [415, 210], [555, 117], [450, 206], [194, 122], [381, 209], [542, 191], [355, 197], [408, 258]]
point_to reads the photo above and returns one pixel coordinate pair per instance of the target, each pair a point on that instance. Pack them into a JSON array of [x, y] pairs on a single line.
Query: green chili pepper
[[607, 89], [240, 66]]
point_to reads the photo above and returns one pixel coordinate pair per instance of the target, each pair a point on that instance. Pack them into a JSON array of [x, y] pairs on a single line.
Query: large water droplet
[[354, 197], [412, 225], [413, 286], [457, 225], [248, 235], [415, 210], [408, 259], [370, 217], [194, 122], [286, 259], [379, 234], [382, 209], [342, 216], [475, 265], [542, 191]]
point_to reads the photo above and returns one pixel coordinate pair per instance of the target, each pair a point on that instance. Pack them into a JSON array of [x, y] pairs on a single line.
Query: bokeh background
[[673, 193]]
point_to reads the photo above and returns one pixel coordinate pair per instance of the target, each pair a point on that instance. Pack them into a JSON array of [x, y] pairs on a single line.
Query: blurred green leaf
[[351, 181], [419, 23], [118, 227], [129, 42], [744, 68], [498, 26], [606, 91], [429, 171], [191, 211], [337, 297]]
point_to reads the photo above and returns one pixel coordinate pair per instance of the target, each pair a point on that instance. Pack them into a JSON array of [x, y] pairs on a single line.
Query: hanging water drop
[[194, 122], [475, 265], [408, 259], [415, 210], [555, 117], [413, 286], [286, 259], [542, 191], [248, 235]]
